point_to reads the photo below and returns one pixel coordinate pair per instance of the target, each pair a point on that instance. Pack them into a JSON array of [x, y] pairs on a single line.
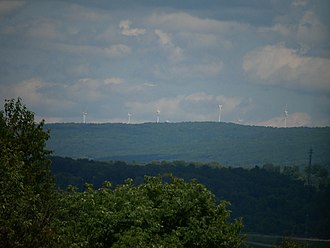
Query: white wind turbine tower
[[220, 108], [129, 118], [158, 112], [84, 117], [286, 114]]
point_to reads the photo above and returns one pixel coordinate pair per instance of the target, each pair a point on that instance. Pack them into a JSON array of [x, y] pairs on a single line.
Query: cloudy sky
[[113, 57]]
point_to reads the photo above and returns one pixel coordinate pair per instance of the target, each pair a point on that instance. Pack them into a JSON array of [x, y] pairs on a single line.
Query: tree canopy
[[161, 212], [270, 199], [26, 185]]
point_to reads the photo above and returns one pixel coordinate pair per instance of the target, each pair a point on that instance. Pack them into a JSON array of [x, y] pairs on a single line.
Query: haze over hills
[[227, 143]]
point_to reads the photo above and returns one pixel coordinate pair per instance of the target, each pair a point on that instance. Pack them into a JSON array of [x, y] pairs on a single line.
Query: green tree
[[27, 193], [161, 212], [292, 171], [287, 243], [318, 175]]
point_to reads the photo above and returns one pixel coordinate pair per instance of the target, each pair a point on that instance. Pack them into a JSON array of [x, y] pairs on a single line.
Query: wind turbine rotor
[[129, 118], [220, 108], [286, 114], [84, 117]]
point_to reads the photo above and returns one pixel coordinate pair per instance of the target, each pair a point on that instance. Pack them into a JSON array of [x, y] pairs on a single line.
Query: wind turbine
[[220, 108], [158, 112], [286, 114], [84, 117], [129, 118]]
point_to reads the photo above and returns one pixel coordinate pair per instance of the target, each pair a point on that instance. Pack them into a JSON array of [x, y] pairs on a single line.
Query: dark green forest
[[227, 143], [270, 200]]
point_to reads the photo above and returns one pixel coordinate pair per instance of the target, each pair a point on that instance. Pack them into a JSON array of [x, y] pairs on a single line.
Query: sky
[[112, 58]]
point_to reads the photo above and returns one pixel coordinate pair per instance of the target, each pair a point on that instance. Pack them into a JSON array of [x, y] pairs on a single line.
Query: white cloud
[[279, 65], [50, 96], [229, 104], [146, 111], [164, 39], [195, 32], [34, 94], [184, 31], [113, 81], [200, 96], [117, 50], [149, 84], [92, 89], [181, 21], [175, 52], [128, 31], [133, 88], [194, 107]]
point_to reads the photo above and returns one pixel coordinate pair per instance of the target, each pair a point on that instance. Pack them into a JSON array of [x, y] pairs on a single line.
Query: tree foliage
[[26, 185], [287, 243], [161, 212], [270, 202]]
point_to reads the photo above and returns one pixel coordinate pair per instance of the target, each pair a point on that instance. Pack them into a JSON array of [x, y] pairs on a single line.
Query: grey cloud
[[9, 6], [37, 95], [86, 13], [175, 53], [311, 31], [299, 3], [116, 50], [279, 65]]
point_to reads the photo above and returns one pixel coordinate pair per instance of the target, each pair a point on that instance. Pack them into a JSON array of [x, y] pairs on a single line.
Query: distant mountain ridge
[[227, 143]]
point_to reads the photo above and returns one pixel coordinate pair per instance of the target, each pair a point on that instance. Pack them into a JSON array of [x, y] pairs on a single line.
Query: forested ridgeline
[[232, 144], [270, 200]]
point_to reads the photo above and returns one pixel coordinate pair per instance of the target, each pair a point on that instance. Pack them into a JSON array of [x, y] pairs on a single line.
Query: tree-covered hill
[[269, 201], [227, 143]]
